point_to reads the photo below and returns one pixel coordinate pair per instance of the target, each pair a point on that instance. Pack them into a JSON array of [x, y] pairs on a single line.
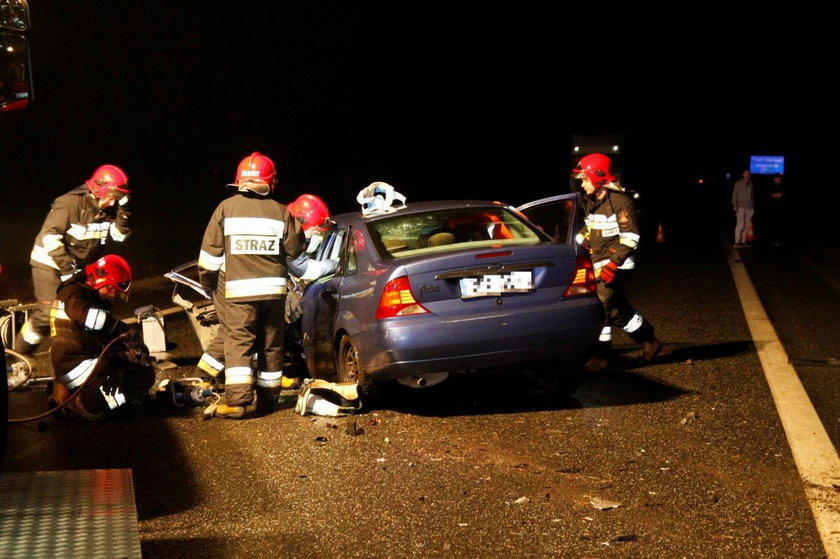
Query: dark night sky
[[439, 101]]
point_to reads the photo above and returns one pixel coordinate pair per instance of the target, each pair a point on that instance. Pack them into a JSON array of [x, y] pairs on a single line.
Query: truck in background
[[15, 94], [15, 63]]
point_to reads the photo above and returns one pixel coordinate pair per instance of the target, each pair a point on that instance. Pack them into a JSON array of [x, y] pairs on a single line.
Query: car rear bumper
[[425, 344]]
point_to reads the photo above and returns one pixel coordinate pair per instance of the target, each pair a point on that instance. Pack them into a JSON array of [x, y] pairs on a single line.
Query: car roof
[[415, 208]]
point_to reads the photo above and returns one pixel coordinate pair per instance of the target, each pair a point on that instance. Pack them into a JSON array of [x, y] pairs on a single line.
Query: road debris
[[690, 416], [603, 504], [352, 429], [622, 538], [521, 501]]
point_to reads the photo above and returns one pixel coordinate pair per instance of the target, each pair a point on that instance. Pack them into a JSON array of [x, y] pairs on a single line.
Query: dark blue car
[[443, 287]]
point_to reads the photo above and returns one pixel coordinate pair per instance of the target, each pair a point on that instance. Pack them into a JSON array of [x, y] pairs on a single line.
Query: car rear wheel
[[351, 369]]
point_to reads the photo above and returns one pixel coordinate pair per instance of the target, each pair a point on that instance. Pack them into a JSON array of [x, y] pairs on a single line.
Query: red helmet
[[312, 211], [255, 170], [596, 167], [110, 270], [108, 179]]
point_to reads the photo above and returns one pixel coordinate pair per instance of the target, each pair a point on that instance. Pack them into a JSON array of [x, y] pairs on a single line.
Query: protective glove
[[136, 349], [608, 272]]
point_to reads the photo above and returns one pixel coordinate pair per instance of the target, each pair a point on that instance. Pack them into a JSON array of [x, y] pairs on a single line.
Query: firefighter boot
[[230, 412], [290, 383], [651, 349]]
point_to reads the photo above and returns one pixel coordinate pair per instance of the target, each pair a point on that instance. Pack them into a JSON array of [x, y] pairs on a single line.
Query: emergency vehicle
[[84, 502], [15, 63]]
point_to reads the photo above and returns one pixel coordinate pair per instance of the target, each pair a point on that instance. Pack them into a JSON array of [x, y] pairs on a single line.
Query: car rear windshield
[[404, 235]]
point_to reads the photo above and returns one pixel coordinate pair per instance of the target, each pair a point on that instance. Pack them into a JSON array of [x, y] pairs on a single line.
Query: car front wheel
[[351, 369]]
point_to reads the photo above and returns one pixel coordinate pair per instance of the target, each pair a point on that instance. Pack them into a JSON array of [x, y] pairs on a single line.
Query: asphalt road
[[682, 458]]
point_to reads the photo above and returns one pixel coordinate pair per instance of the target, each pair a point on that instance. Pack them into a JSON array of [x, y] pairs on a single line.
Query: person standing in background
[[743, 205], [778, 215]]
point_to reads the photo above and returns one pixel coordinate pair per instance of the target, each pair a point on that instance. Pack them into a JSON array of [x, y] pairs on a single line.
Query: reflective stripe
[[114, 401], [238, 375], [116, 234], [629, 264], [78, 374], [39, 254], [210, 262], [29, 335], [607, 225], [606, 334], [95, 319], [255, 286], [253, 226], [210, 365], [52, 242], [89, 231], [629, 239], [634, 324], [269, 380]]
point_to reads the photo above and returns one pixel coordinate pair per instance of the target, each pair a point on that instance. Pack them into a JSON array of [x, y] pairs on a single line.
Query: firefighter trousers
[[253, 327], [619, 312], [45, 283], [212, 360]]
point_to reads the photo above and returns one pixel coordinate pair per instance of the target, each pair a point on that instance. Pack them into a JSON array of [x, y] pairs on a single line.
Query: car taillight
[[398, 300], [584, 278]]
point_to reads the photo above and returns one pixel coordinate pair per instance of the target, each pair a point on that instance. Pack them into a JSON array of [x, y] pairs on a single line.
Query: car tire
[[351, 369]]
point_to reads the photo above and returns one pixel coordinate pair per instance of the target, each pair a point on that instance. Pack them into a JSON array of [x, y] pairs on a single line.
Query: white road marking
[[814, 454]]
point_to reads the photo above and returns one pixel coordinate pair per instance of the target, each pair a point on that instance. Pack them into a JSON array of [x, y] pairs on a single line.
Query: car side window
[[348, 263], [337, 247], [555, 218]]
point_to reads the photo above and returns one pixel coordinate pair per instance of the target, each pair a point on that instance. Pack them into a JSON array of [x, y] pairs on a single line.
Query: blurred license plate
[[497, 284]]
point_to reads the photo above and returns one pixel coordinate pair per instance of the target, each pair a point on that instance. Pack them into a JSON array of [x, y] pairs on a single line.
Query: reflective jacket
[[251, 236], [611, 231], [75, 232], [81, 326]]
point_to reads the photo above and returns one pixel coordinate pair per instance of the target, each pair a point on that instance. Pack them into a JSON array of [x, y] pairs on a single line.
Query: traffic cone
[[750, 233], [660, 235]]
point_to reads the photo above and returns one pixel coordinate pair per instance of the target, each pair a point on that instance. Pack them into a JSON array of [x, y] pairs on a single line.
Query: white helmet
[[378, 198]]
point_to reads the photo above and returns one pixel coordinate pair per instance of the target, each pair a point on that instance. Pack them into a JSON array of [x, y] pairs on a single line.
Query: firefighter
[[611, 235], [252, 235], [81, 326], [314, 216], [74, 234]]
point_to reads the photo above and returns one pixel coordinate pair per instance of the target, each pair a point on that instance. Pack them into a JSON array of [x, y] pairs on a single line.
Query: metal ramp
[[68, 514]]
